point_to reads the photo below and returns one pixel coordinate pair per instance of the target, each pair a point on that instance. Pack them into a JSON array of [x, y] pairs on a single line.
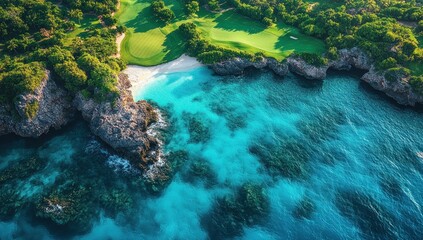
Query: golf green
[[149, 42]]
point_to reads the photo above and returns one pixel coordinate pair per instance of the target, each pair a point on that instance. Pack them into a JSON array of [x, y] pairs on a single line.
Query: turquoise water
[[266, 158]]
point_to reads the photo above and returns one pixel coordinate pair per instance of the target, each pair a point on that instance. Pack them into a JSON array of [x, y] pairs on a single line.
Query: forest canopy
[[33, 34]]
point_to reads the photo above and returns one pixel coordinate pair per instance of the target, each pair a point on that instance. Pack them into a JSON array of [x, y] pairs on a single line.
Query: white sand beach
[[141, 76]]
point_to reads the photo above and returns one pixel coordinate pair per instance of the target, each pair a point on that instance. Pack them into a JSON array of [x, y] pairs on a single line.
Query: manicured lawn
[[149, 42]]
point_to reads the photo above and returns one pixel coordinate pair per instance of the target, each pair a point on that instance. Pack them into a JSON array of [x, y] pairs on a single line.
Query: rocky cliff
[[399, 90], [33, 114], [237, 66], [123, 124], [351, 58], [300, 67]]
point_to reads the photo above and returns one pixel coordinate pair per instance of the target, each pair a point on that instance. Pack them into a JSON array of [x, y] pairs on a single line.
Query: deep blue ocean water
[[333, 160]]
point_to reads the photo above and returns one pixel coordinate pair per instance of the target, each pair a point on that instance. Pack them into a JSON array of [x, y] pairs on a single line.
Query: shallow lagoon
[[331, 159]]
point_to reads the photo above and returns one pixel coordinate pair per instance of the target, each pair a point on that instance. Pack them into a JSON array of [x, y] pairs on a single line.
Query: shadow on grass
[[144, 21], [231, 21], [174, 45], [283, 41], [88, 24]]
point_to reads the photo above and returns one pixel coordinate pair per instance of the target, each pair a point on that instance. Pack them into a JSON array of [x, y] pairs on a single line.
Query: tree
[[12, 45], [192, 7], [75, 79], [76, 14]]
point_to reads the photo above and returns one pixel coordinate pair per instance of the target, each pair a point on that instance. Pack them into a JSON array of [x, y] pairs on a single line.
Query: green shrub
[[332, 53], [75, 79], [31, 109], [22, 78], [313, 59], [393, 74], [387, 63], [416, 83]]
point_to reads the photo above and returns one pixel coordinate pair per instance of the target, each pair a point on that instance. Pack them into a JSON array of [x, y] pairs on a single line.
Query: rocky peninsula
[[125, 125]]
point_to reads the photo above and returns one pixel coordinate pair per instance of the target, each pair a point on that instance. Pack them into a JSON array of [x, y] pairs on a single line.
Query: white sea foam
[[154, 131], [119, 164]]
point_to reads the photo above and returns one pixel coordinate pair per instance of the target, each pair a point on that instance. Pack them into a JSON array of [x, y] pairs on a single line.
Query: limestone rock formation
[[300, 67], [237, 66], [51, 108], [123, 124], [399, 89]]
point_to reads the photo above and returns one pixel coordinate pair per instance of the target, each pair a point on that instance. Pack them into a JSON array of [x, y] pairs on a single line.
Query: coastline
[[140, 76]]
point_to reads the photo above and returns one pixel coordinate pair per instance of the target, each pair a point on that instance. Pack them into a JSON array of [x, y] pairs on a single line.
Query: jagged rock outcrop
[[123, 124], [236, 66], [302, 68], [349, 58], [399, 89], [52, 108]]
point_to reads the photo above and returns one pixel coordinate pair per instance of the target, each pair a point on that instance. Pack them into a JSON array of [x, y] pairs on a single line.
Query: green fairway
[[148, 42]]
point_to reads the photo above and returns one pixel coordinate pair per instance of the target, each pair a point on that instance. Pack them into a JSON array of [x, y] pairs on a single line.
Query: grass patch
[[82, 28], [149, 42]]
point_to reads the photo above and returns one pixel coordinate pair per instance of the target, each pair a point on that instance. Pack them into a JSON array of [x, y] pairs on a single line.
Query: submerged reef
[[198, 129], [248, 207], [23, 169], [116, 201], [71, 206], [11, 202], [322, 125], [304, 209], [288, 159], [158, 179], [370, 216], [199, 170]]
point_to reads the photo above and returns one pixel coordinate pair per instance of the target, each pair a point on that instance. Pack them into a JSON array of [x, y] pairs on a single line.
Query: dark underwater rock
[[22, 169], [304, 209], [159, 179], [248, 207], [200, 171], [70, 207], [373, 219], [287, 159], [11, 202], [198, 130]]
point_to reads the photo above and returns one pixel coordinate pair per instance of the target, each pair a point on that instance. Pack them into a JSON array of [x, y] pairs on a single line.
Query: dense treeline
[[97, 7], [32, 35], [385, 30]]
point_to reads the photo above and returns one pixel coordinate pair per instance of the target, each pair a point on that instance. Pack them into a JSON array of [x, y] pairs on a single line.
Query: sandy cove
[[141, 76]]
